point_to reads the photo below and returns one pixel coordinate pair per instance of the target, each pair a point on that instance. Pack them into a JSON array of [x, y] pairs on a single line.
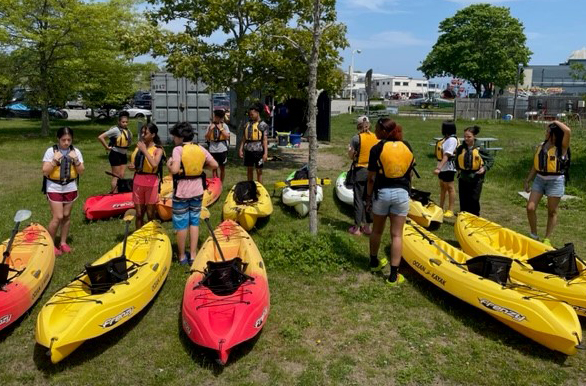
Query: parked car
[[138, 113], [142, 100], [75, 104], [21, 110], [101, 113]]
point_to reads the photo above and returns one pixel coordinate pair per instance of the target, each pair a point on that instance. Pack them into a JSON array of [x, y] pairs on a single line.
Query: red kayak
[[25, 273], [107, 205], [226, 302], [165, 204]]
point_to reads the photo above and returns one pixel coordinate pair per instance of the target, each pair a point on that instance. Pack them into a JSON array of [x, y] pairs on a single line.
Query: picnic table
[[485, 141]]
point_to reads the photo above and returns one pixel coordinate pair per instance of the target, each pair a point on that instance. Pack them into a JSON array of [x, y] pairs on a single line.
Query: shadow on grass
[[91, 348], [480, 322], [207, 358]]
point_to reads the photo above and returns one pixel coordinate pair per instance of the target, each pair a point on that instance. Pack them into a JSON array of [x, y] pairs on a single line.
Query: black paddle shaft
[[9, 245], [207, 221], [432, 242], [125, 238]]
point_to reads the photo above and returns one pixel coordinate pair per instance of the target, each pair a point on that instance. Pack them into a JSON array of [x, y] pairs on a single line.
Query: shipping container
[[177, 100]]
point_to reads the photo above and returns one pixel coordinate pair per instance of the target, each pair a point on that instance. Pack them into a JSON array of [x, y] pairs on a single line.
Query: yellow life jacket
[[216, 134], [439, 150], [142, 165], [469, 159], [548, 162], [192, 162], [366, 141], [396, 160], [123, 140], [252, 132], [65, 172]]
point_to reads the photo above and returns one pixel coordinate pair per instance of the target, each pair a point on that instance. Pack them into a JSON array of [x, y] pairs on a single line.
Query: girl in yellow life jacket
[[218, 135], [62, 165], [446, 168], [550, 163], [119, 140], [359, 153], [254, 144], [389, 183], [472, 162], [147, 163]]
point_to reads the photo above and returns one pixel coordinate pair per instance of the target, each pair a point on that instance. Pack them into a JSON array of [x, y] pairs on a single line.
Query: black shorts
[[253, 158], [447, 176], [117, 159], [221, 158]]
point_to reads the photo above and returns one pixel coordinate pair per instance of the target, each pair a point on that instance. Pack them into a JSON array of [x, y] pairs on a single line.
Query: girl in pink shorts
[[147, 166]]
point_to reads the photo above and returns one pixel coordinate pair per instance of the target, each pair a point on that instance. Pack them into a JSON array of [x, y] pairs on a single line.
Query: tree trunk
[[44, 101], [237, 117], [312, 104]]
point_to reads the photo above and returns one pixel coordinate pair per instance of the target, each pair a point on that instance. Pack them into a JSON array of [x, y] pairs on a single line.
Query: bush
[[378, 107], [299, 251]]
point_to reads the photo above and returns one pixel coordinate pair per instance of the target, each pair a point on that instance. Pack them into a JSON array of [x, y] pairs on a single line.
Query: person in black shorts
[[254, 146], [120, 139], [218, 135]]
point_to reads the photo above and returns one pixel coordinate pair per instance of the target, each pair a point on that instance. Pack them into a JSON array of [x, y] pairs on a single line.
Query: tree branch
[[294, 44]]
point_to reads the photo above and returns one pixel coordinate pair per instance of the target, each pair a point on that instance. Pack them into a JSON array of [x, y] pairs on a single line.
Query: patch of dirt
[[297, 157]]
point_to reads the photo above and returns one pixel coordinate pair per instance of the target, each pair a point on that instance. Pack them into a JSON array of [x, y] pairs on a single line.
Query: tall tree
[[481, 43], [315, 22], [229, 59], [56, 42]]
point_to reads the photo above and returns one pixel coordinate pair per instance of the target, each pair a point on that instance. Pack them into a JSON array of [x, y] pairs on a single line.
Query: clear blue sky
[[396, 35]]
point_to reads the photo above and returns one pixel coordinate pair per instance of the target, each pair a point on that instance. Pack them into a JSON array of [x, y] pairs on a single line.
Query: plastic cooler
[[283, 138], [295, 139]]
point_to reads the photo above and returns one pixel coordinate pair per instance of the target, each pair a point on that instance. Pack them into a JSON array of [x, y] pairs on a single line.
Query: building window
[[397, 83], [405, 83], [418, 84], [431, 85], [377, 83]]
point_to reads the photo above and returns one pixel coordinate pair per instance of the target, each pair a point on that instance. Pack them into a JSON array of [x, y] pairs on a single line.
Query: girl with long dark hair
[[146, 161], [62, 165], [548, 171]]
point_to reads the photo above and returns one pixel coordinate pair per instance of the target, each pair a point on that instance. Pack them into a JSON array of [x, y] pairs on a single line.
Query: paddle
[[432, 242], [128, 217], [206, 218], [19, 217]]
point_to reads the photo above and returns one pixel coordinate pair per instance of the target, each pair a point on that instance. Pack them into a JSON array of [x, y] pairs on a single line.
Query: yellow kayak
[[165, 204], [424, 211], [479, 236], [28, 269], [246, 202], [79, 312], [538, 316]]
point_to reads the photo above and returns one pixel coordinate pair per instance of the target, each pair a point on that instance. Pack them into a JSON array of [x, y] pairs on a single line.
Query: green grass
[[331, 322]]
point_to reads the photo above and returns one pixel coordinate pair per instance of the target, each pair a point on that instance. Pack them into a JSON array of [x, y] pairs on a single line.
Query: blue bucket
[[295, 139]]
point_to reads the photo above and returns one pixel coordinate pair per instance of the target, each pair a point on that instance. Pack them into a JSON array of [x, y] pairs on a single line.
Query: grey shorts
[[550, 188], [391, 201]]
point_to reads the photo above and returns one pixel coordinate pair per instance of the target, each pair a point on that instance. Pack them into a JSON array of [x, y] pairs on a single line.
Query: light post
[[352, 76]]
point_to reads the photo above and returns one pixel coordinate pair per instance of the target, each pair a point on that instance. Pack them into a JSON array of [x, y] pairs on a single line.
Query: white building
[[389, 85]]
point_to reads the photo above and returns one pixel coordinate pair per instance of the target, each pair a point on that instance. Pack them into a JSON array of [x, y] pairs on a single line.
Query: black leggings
[[469, 192]]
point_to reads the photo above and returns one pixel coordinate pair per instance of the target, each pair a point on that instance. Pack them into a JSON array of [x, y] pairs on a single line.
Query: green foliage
[[378, 107], [60, 47], [299, 251], [481, 43]]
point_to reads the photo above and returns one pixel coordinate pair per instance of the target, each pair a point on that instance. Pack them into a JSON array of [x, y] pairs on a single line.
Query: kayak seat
[[245, 192], [103, 276], [560, 262], [421, 196], [5, 271], [225, 277], [495, 268]]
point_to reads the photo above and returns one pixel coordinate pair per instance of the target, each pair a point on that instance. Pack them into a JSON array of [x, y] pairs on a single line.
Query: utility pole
[[516, 91]]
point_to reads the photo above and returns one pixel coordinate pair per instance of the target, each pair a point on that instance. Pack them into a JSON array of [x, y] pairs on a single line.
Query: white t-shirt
[[449, 147], [53, 187]]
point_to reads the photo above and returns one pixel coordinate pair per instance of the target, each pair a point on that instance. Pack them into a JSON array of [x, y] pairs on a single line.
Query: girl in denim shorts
[[390, 166], [550, 164]]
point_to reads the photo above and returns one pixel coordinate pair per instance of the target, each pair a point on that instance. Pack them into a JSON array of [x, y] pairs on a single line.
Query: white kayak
[[298, 197], [343, 191]]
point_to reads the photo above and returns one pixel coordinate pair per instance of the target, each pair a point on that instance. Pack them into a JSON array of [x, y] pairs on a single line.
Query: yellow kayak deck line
[[318, 181], [533, 313]]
